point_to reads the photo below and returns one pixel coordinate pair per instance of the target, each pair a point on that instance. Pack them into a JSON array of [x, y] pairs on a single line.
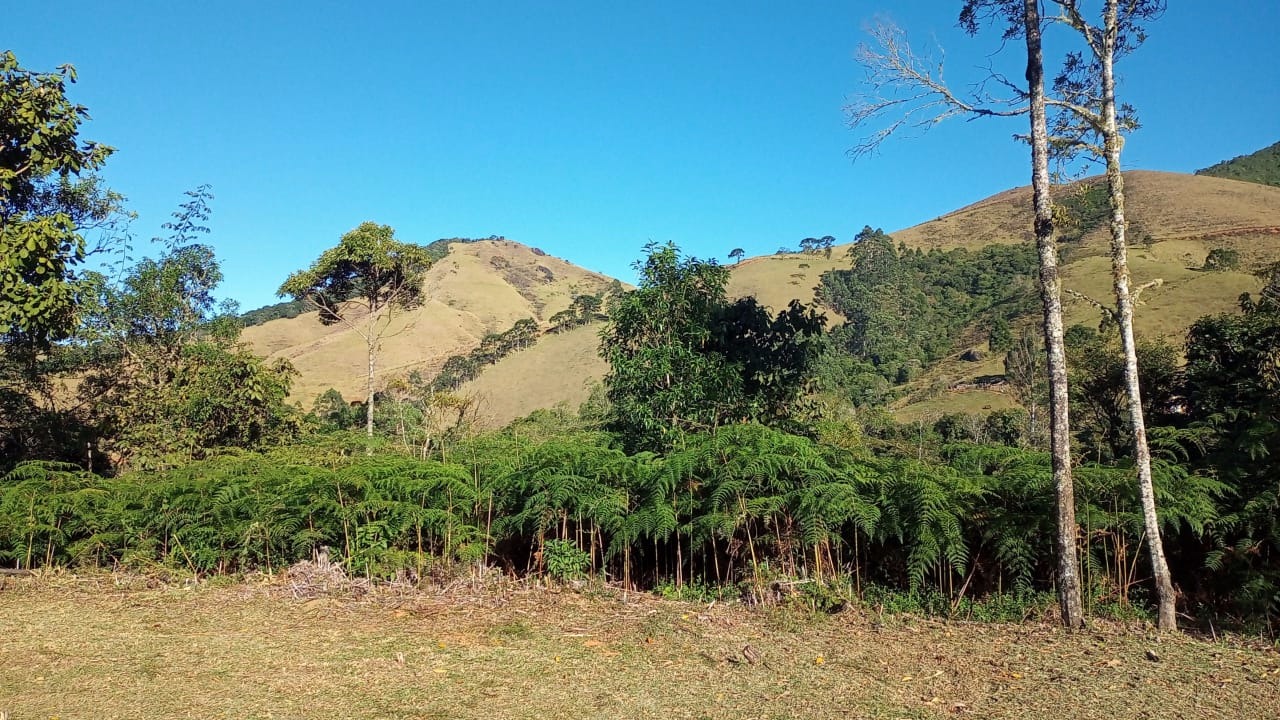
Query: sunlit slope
[[1160, 204], [476, 289], [1175, 221], [776, 280], [486, 286], [561, 369]]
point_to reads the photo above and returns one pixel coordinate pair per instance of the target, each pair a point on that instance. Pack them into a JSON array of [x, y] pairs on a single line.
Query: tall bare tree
[[905, 93], [1093, 121]]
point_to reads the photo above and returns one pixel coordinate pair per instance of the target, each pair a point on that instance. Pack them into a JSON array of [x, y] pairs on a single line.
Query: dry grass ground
[[88, 648]]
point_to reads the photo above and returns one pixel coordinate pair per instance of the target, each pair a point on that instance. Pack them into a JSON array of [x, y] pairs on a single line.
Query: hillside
[[477, 288], [1175, 220], [561, 369], [486, 286], [1262, 167]]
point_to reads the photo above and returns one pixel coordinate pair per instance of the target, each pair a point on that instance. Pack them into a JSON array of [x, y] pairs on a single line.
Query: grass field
[[97, 647]]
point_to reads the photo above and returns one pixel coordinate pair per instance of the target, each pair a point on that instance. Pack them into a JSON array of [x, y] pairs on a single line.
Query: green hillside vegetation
[[1261, 167], [906, 308]]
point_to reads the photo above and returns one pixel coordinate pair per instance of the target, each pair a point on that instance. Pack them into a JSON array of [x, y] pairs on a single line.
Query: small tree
[[684, 358], [360, 284], [164, 378], [736, 254], [1000, 336]]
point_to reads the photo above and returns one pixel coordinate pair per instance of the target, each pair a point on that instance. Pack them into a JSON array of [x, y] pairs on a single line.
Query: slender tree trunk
[[1112, 144], [1051, 297], [372, 342]]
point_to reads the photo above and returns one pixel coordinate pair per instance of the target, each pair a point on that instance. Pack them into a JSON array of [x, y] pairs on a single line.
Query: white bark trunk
[[372, 341], [1113, 143], [1069, 595]]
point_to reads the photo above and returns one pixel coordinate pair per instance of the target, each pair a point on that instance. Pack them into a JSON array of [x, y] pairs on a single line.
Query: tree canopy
[[40, 154], [684, 357]]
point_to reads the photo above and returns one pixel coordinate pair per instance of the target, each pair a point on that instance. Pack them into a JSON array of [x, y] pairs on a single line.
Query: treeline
[[458, 369], [907, 308], [1261, 167]]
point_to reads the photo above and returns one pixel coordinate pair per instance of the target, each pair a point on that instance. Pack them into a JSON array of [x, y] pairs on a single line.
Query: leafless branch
[[908, 91], [1137, 292]]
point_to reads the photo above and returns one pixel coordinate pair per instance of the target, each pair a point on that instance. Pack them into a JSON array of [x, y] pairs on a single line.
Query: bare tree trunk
[[1112, 143], [372, 341], [1051, 296]]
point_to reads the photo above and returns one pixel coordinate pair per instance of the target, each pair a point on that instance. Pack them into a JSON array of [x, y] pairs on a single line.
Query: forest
[[733, 451]]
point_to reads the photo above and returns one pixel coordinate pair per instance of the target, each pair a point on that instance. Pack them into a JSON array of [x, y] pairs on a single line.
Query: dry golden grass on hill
[[486, 286], [88, 647], [561, 369], [478, 288], [776, 280]]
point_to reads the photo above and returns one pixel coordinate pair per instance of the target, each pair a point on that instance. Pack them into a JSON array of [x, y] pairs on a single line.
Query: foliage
[[267, 313], [566, 561], [999, 335], [746, 505], [1222, 259], [1099, 402], [42, 209], [368, 265], [360, 283], [164, 380], [1262, 167], [1082, 208], [1233, 396], [683, 357], [814, 246], [458, 369], [583, 309], [905, 308]]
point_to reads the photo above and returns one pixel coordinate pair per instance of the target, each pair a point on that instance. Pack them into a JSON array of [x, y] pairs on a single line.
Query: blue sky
[[584, 128]]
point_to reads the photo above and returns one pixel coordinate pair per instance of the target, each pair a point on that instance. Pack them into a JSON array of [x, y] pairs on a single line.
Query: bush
[[1220, 259], [565, 561]]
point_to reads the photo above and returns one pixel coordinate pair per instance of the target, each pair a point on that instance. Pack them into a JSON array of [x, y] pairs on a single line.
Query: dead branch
[[911, 90]]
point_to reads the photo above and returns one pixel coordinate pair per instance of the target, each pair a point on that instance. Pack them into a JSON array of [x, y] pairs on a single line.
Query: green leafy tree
[[40, 245], [1233, 397], [999, 336], [737, 254], [360, 284], [683, 357], [164, 379]]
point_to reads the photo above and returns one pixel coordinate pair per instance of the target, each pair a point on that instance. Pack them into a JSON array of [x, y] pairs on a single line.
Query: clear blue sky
[[582, 128]]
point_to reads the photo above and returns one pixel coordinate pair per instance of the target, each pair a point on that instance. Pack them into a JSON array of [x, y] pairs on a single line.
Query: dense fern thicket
[[1261, 167], [742, 506], [909, 308]]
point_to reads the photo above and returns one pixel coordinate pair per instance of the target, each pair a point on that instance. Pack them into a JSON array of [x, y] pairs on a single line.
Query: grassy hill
[[1262, 167], [477, 288], [485, 286]]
